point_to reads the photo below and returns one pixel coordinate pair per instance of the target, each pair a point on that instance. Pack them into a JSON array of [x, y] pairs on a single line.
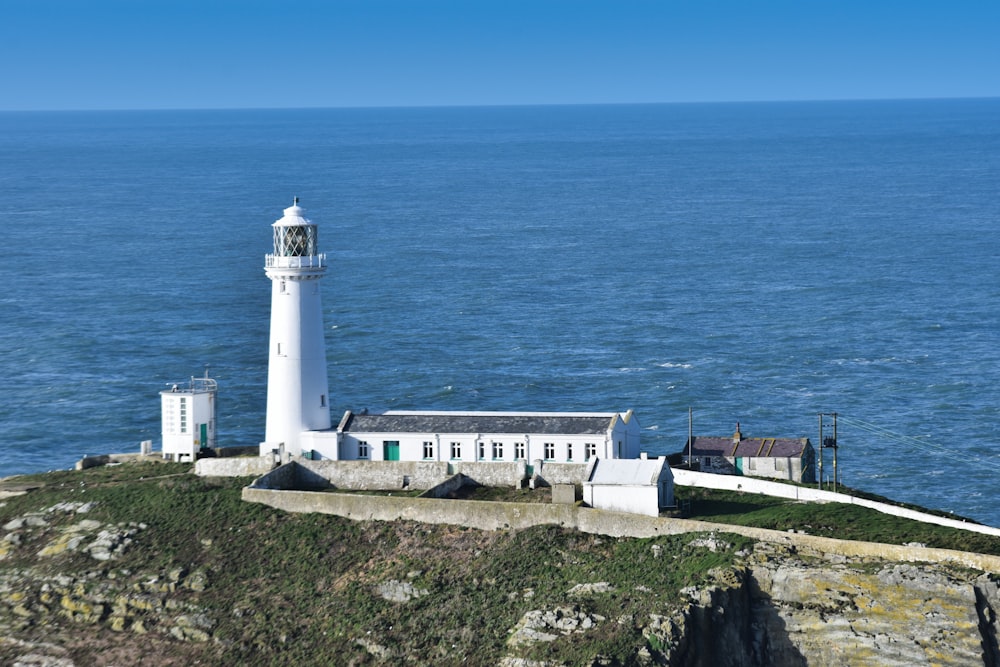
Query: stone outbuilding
[[640, 486], [792, 459]]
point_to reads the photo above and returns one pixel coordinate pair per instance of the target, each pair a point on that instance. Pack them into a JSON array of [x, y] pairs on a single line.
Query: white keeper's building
[[404, 435]]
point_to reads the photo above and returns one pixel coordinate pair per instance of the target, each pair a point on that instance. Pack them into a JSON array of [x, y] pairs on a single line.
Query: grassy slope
[[286, 588]]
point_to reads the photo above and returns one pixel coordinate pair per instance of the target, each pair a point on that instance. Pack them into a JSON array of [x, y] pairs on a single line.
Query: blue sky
[[166, 54]]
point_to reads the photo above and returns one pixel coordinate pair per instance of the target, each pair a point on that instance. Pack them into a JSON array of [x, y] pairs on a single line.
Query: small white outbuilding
[[640, 486], [188, 418]]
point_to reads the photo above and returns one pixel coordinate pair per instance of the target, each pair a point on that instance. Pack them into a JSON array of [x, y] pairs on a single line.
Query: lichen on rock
[[548, 625]]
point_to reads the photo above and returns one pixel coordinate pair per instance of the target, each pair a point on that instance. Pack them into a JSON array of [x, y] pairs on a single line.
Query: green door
[[204, 436], [739, 465], [390, 450]]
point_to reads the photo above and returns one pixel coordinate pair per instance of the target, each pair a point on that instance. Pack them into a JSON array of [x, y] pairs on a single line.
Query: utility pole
[[690, 436], [819, 443], [825, 443]]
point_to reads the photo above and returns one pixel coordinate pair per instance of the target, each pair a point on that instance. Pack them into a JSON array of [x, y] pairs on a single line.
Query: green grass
[[301, 588], [837, 520]]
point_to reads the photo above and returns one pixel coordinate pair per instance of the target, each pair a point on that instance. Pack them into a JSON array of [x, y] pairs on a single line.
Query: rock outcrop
[[120, 600], [807, 609]]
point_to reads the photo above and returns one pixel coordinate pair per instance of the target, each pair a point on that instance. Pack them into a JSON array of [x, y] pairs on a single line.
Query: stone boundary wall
[[242, 450], [388, 475], [95, 460], [479, 514], [486, 515], [493, 473], [282, 477], [105, 459], [355, 476], [235, 466], [561, 473], [563, 494], [751, 485], [378, 475], [453, 483]]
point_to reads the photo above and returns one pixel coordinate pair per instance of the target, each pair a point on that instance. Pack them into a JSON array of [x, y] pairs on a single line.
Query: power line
[[924, 445]]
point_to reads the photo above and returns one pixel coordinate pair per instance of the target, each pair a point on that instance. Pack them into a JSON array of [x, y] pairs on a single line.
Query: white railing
[[295, 262]]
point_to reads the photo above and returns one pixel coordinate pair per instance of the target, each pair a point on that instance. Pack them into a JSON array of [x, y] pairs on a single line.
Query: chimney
[[737, 436]]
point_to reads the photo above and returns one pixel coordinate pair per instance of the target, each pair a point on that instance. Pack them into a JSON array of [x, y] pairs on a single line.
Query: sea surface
[[758, 263]]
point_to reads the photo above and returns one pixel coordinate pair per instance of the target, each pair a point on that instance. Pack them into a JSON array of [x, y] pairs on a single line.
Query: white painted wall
[[624, 439], [621, 440], [320, 445], [411, 446], [182, 414], [619, 498]]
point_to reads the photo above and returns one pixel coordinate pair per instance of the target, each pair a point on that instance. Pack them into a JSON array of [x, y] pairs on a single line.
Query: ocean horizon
[[757, 262]]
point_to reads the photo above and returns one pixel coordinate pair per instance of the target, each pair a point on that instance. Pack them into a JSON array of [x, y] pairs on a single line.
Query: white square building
[[188, 418]]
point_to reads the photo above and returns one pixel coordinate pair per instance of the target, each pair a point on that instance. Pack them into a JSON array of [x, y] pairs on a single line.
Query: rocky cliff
[[783, 608]]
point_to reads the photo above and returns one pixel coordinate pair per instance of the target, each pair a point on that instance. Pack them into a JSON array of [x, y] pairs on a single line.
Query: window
[[569, 451], [456, 450], [550, 451], [169, 421], [589, 451], [280, 354], [281, 286], [362, 450], [184, 416], [295, 241], [518, 451], [497, 450], [428, 449], [322, 400]]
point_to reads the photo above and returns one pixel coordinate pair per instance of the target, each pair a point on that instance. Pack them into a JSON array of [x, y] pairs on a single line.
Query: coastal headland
[[146, 562]]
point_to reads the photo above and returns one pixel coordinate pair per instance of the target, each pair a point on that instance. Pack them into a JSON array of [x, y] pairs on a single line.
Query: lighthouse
[[297, 384]]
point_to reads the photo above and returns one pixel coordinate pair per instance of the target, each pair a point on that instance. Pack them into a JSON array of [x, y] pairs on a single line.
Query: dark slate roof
[[482, 422], [774, 447]]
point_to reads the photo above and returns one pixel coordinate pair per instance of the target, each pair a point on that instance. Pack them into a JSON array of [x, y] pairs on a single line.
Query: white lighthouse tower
[[297, 385]]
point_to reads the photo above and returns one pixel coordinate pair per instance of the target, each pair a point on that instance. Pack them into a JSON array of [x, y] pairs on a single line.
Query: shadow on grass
[[701, 508]]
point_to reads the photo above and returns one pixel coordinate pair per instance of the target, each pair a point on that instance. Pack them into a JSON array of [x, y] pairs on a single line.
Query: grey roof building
[[478, 422], [777, 458], [404, 435]]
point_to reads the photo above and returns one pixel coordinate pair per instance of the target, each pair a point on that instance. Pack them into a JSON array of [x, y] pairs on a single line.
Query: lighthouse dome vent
[[294, 216]]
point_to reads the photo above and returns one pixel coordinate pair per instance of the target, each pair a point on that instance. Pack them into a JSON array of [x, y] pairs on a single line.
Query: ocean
[[757, 263]]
